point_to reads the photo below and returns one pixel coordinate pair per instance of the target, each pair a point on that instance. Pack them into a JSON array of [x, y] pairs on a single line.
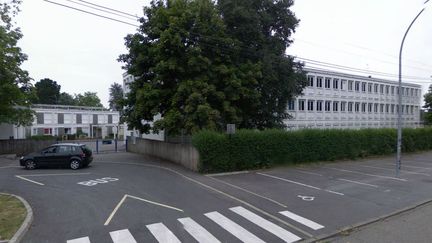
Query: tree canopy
[[116, 97], [15, 86], [47, 91], [428, 106], [201, 65], [88, 99]]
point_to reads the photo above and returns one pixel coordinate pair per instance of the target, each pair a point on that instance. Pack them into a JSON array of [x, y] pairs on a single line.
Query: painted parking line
[[197, 231], [357, 182], [411, 166], [61, 174], [162, 233], [79, 240], [304, 221], [387, 169], [32, 181], [233, 228], [9, 166], [300, 184], [367, 174], [122, 236], [308, 172], [250, 192], [265, 224]]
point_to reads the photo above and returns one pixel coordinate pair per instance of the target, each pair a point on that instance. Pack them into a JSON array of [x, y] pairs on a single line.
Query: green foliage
[[43, 137], [116, 97], [47, 91], [428, 105], [88, 99], [15, 83], [249, 149], [66, 99], [193, 69]]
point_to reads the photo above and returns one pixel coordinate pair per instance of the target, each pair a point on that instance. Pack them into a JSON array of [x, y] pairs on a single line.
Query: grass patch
[[12, 214]]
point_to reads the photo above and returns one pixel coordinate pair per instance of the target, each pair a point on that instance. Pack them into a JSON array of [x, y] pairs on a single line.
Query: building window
[[406, 91], [369, 87], [412, 110], [363, 87], [311, 80], [350, 106], [357, 86], [357, 107], [343, 106], [335, 83], [327, 106], [319, 105], [376, 88], [342, 85], [363, 107], [335, 105], [382, 108], [310, 105], [375, 108], [392, 90], [387, 89], [301, 105], [370, 107], [291, 105], [387, 108], [47, 131], [412, 92], [350, 85], [319, 82], [382, 89], [397, 90], [392, 110], [327, 83]]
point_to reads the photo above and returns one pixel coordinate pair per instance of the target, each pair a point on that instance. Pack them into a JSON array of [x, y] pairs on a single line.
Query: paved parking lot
[[125, 198]]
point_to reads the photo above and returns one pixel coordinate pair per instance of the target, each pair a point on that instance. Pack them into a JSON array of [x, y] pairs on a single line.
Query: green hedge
[[249, 149]]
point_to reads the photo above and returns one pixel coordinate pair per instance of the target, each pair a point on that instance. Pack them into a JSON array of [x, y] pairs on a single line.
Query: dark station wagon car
[[71, 155]]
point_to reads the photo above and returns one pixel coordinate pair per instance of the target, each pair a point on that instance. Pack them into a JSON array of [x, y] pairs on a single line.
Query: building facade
[[338, 100], [59, 120]]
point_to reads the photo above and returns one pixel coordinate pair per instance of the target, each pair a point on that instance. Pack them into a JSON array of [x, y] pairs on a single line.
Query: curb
[[27, 221], [365, 223]]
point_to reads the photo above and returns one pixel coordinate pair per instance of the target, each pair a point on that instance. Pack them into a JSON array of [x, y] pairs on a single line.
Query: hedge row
[[249, 149]]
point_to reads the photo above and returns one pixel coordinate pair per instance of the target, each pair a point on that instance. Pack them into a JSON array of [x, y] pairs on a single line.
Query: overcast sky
[[79, 51]]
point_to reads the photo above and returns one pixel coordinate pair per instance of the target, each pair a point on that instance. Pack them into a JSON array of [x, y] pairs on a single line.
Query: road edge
[[366, 222], [26, 223]]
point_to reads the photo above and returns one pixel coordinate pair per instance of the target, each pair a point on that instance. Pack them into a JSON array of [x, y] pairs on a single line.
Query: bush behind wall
[[249, 149]]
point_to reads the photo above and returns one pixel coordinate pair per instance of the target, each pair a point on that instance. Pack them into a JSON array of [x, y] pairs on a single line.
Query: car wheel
[[75, 164], [30, 165]]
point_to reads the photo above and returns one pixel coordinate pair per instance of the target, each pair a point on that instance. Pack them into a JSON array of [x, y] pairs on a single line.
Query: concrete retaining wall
[[183, 154], [23, 146]]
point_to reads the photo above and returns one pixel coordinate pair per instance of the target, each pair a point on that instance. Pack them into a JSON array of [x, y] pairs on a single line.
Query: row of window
[[326, 105], [358, 86]]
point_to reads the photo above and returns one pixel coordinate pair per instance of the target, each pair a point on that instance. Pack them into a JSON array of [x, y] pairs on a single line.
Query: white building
[[59, 120], [338, 100]]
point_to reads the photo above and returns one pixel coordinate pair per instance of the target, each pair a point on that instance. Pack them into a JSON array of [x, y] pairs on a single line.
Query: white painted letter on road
[[97, 181]]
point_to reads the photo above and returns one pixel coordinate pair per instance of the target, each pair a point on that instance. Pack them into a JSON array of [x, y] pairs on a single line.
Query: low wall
[[23, 146], [183, 154]]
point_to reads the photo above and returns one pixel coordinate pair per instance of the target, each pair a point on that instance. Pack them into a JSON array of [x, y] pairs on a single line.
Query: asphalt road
[[124, 197]]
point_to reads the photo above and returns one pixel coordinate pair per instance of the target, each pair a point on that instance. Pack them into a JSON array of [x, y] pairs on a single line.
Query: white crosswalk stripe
[[197, 231], [162, 233], [79, 240], [232, 227], [309, 223], [265, 224], [122, 236]]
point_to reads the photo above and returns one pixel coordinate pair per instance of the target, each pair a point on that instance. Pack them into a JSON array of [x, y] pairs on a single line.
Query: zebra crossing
[[163, 234]]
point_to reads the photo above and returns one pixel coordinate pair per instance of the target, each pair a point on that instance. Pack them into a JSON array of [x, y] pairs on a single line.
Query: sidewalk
[[411, 226]]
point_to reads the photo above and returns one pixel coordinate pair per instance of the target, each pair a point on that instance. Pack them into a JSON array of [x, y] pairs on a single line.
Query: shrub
[[43, 137], [250, 149]]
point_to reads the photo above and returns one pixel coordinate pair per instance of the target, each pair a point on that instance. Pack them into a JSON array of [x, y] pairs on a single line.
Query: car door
[[63, 155], [46, 156]]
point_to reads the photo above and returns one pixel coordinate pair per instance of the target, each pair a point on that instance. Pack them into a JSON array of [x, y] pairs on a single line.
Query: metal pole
[[399, 126]]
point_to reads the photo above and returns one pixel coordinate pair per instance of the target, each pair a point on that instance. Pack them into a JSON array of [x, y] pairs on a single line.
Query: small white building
[[59, 120], [339, 100]]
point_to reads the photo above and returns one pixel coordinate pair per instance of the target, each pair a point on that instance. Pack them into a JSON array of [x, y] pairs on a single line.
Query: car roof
[[68, 144]]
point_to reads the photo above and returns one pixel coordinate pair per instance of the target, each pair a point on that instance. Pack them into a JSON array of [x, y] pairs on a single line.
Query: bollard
[[126, 144], [115, 144], [97, 146]]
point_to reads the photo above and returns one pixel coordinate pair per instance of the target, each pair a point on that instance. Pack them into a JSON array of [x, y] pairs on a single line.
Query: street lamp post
[[399, 131]]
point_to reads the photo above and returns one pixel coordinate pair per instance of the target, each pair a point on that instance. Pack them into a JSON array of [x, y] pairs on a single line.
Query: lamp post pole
[[399, 125]]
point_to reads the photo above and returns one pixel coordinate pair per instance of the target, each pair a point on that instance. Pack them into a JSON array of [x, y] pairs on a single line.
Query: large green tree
[[428, 106], [66, 99], [193, 69], [116, 97], [14, 82], [47, 91], [88, 99], [262, 30]]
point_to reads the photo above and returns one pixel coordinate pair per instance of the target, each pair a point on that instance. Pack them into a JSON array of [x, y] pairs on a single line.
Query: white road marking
[[35, 182], [411, 166], [232, 227], [387, 169], [367, 174], [358, 182], [309, 223], [79, 240], [265, 224], [155, 203], [162, 233], [197, 231], [300, 184], [10, 166], [308, 172], [115, 210], [65, 174], [228, 173], [250, 192], [122, 236], [306, 198]]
